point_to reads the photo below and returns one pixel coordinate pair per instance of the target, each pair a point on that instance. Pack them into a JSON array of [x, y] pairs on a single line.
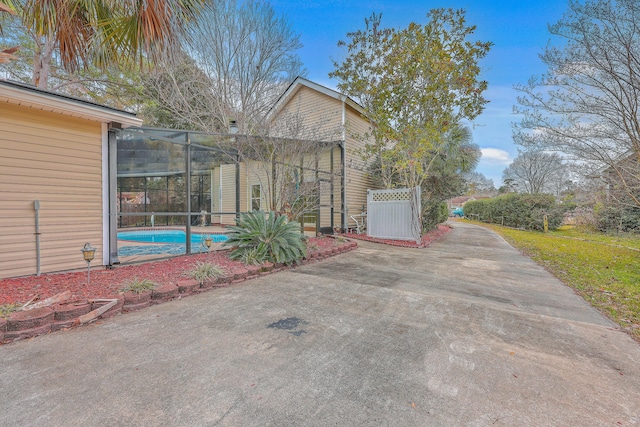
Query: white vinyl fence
[[394, 214]]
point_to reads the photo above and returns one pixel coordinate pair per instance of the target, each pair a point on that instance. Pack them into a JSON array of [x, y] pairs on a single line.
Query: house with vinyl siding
[[58, 179], [327, 116], [54, 179]]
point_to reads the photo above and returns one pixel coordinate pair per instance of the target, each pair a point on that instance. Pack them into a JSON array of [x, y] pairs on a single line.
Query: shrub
[[138, 285], [263, 237], [204, 271], [620, 219], [517, 210], [433, 214]]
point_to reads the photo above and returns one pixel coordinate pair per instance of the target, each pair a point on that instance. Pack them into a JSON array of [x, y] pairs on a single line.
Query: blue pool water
[[174, 242]]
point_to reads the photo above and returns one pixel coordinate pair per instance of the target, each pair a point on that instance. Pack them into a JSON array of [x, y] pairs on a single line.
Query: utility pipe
[[36, 206]]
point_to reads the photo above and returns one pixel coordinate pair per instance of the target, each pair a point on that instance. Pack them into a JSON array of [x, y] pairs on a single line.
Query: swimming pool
[[167, 236], [174, 242]]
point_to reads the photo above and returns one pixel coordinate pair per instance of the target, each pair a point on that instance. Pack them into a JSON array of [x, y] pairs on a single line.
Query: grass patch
[[620, 239], [602, 268], [7, 309]]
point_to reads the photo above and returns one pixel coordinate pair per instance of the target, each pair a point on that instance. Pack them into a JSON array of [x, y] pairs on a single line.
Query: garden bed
[[63, 300], [427, 239], [108, 282], [84, 302]]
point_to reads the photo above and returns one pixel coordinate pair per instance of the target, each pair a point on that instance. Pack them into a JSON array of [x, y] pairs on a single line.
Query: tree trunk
[[42, 62]]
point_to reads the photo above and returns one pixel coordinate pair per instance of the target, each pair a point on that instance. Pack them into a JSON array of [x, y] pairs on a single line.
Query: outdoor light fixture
[[207, 243], [88, 252]]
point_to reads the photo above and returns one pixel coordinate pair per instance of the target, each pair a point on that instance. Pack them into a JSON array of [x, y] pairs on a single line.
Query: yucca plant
[[261, 237]]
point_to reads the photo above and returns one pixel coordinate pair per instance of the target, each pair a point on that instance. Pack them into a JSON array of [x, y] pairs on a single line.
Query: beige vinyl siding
[[328, 174], [228, 194], [357, 181], [322, 119], [245, 200], [320, 116], [57, 160], [215, 194], [337, 190]]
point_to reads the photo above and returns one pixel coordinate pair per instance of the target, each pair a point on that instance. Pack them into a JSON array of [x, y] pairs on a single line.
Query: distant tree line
[[585, 109]]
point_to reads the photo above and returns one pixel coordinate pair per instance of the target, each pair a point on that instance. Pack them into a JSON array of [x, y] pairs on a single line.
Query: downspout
[[233, 130], [36, 206], [211, 199], [237, 188], [343, 160], [343, 204], [318, 193], [188, 189], [331, 191], [273, 184]]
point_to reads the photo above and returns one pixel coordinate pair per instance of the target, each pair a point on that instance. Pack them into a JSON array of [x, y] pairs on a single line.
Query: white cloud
[[495, 156]]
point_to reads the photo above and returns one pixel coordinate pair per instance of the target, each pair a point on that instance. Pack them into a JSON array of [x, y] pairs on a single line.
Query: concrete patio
[[467, 332]]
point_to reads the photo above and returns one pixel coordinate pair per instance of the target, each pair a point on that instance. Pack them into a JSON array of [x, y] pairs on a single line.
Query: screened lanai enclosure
[[175, 188]]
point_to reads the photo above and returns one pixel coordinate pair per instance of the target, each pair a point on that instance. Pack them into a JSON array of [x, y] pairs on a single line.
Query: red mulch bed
[[105, 283], [427, 239]]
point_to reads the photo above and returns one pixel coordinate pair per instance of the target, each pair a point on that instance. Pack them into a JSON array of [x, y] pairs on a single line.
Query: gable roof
[[32, 97], [301, 82]]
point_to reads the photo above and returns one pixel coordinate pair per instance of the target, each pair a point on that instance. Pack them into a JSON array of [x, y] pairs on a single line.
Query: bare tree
[[290, 159], [587, 104], [182, 98], [536, 172], [479, 184], [245, 58], [239, 59]]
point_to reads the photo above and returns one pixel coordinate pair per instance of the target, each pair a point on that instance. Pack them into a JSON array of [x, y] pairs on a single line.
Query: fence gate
[[394, 214]]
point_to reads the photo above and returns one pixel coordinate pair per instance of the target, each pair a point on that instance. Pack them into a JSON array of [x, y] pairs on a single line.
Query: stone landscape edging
[[39, 321]]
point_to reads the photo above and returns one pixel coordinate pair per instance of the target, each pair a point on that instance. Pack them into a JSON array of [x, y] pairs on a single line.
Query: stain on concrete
[[290, 324]]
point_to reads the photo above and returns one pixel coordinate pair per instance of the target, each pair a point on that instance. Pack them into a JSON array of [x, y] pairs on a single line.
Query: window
[[256, 199]]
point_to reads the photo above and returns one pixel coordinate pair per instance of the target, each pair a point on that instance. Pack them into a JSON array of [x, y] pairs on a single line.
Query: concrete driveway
[[467, 332]]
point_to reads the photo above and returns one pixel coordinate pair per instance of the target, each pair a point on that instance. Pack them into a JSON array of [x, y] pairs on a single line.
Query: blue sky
[[518, 30]]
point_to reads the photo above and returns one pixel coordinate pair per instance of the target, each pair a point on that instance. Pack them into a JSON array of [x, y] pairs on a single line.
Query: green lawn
[[604, 269]]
